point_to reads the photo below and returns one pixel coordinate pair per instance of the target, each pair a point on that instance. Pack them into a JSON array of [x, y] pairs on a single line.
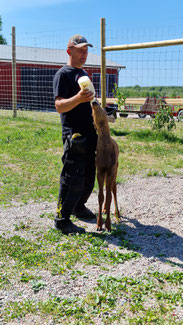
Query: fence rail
[[126, 47], [141, 101], [143, 45], [26, 72]]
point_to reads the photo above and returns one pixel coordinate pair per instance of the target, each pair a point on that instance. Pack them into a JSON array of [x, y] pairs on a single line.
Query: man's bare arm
[[64, 105]]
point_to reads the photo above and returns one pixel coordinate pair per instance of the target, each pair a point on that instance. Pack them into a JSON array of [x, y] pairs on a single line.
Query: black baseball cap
[[78, 41]]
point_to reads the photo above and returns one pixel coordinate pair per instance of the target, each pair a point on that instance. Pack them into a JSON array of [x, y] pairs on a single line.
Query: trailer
[[145, 106]]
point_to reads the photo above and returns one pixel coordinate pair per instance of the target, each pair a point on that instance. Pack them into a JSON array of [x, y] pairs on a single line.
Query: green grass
[[153, 298], [114, 300], [57, 253], [147, 152], [30, 163], [31, 149], [30, 159]]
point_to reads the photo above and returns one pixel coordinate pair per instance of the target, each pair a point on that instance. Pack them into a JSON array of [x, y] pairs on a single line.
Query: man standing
[[79, 138]]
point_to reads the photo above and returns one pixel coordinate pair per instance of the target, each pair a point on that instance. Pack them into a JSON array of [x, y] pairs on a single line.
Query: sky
[[46, 19], [56, 15]]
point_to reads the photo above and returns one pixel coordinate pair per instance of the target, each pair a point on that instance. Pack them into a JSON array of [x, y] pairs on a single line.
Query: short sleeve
[[61, 85]]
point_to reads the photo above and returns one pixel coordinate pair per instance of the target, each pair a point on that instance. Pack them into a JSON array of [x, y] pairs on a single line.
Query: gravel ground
[[152, 213]]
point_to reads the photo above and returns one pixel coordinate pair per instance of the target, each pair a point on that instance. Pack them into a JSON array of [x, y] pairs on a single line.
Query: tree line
[[152, 91], [2, 39]]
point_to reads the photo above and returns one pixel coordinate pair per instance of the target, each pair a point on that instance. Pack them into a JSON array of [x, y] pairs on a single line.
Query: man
[[79, 138]]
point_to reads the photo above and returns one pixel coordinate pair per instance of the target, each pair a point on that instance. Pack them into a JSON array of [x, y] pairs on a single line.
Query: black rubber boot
[[67, 227], [84, 213]]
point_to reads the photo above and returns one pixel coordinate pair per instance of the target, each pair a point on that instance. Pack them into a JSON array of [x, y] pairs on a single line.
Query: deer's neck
[[104, 133]]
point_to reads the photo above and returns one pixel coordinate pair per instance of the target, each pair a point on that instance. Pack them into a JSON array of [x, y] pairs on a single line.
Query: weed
[[26, 277], [21, 226], [49, 215], [38, 285]]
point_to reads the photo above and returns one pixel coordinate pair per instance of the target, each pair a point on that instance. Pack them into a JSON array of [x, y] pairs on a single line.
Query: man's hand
[[85, 95]]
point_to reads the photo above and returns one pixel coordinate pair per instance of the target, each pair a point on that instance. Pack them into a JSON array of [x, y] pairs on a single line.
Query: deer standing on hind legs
[[107, 164]]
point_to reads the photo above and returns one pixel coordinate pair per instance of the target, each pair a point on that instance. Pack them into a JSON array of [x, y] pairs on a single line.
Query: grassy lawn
[[31, 149], [153, 298], [30, 164], [30, 158]]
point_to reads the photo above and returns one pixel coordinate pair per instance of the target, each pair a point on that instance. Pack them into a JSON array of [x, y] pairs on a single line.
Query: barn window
[[37, 88], [110, 81], [96, 83]]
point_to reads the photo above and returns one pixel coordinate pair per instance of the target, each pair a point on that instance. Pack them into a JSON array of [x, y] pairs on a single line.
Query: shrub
[[163, 119], [119, 94]]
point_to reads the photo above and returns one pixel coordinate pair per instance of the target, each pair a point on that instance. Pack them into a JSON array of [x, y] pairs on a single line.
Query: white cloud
[[12, 5]]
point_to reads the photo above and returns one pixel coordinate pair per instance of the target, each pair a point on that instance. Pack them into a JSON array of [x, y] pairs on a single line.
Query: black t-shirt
[[79, 119]]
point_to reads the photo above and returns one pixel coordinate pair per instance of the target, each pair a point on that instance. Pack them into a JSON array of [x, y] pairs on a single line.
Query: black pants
[[77, 177]]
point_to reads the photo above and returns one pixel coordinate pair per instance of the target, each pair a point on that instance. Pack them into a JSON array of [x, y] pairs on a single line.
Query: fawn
[[106, 164]]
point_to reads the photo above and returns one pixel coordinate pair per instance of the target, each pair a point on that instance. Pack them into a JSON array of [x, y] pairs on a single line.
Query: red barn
[[35, 68]]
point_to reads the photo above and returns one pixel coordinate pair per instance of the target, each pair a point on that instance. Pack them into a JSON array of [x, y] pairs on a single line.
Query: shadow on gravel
[[155, 241], [150, 241]]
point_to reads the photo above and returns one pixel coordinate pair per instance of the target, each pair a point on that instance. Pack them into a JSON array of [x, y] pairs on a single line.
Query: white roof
[[48, 56]]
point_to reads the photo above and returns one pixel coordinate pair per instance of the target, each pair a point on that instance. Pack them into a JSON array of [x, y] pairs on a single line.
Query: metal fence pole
[[14, 82], [103, 64]]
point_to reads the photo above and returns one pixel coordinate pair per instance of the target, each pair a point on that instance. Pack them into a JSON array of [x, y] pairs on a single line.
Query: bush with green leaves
[[163, 119], [119, 94]]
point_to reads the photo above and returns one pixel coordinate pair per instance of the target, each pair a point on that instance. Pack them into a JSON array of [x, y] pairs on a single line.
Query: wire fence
[[26, 84]]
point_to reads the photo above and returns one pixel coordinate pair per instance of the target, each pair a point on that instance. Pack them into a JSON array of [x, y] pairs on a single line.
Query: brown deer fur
[[107, 164]]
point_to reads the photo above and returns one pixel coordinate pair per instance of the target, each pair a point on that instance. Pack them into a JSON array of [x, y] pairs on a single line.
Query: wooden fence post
[[14, 82], [103, 64]]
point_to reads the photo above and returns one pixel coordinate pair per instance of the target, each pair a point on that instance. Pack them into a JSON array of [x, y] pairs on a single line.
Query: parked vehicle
[[150, 107]]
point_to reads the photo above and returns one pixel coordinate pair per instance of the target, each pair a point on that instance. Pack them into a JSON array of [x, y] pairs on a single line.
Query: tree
[[2, 39]]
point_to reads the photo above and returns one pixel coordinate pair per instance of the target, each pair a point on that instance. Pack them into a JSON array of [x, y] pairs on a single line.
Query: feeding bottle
[[85, 83]]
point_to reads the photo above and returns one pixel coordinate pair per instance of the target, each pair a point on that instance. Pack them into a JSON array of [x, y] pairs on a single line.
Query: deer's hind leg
[[100, 178], [104, 209], [117, 213], [109, 185]]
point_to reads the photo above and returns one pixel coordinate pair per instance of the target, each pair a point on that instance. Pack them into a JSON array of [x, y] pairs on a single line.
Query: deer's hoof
[[108, 228], [118, 218], [99, 228]]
